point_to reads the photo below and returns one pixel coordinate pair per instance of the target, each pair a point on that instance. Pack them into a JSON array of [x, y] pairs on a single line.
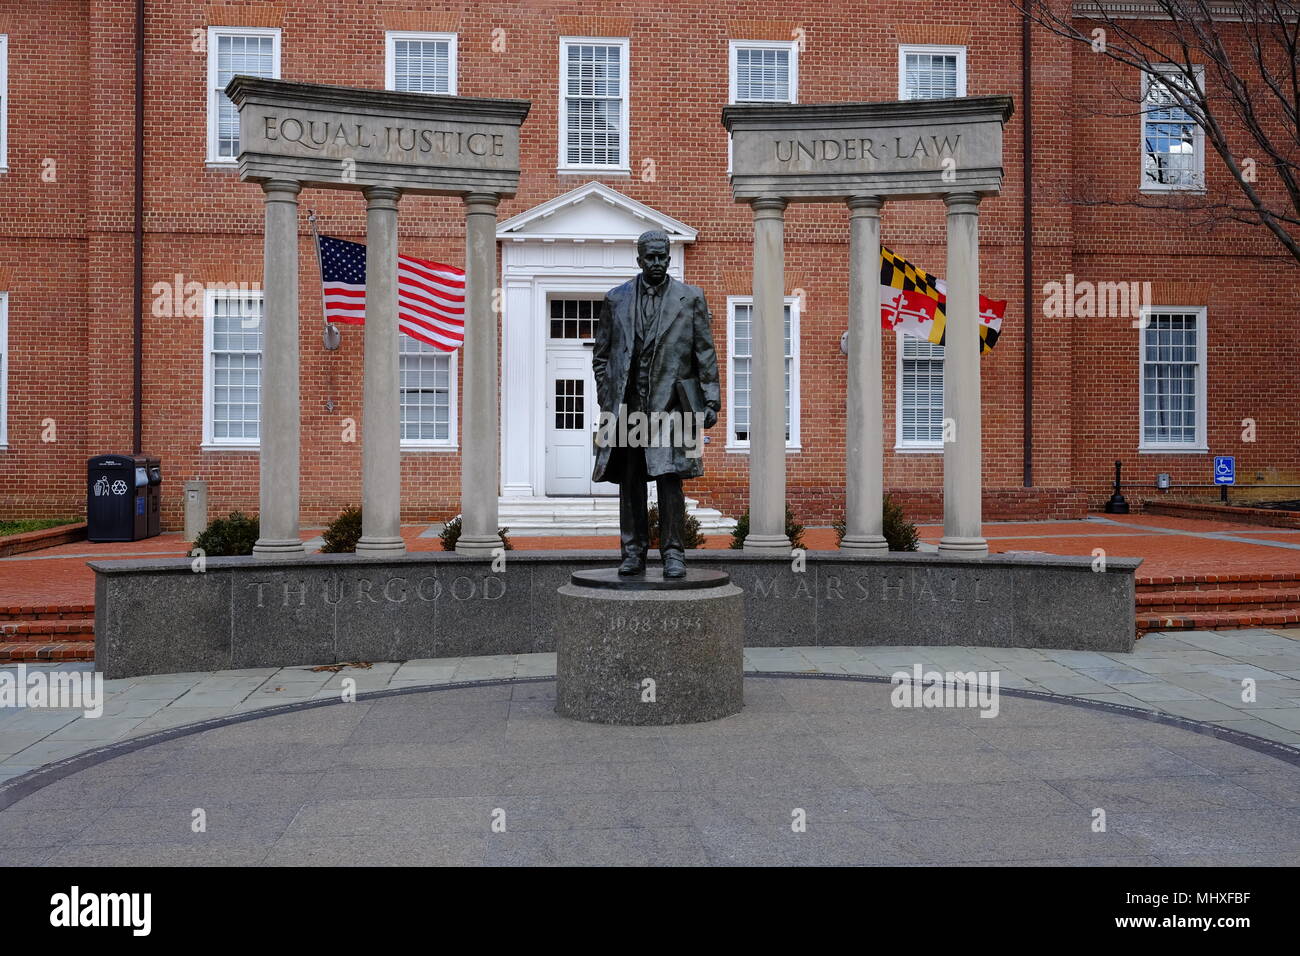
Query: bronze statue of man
[[654, 359]]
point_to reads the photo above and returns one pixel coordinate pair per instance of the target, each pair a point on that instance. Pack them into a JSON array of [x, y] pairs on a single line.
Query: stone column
[[479, 471], [864, 468], [767, 382], [963, 481], [381, 456], [281, 412]]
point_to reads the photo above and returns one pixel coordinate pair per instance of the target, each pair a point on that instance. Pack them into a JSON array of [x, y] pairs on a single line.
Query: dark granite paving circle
[[421, 778]]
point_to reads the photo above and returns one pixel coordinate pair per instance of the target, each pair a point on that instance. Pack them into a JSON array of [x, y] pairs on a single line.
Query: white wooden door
[[572, 415]]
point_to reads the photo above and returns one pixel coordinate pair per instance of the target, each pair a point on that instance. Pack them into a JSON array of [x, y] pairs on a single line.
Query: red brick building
[[624, 134]]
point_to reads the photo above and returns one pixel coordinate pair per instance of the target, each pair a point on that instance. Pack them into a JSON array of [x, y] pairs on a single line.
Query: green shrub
[[451, 534], [900, 534], [793, 529], [226, 537], [692, 536], [342, 535]]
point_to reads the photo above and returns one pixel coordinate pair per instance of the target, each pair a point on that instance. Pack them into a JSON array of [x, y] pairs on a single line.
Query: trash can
[[119, 502]]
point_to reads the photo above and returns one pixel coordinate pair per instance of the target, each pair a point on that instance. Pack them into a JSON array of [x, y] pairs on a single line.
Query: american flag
[[430, 295]]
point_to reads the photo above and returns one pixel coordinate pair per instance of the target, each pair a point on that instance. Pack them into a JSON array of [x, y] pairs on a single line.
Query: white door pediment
[[592, 213]]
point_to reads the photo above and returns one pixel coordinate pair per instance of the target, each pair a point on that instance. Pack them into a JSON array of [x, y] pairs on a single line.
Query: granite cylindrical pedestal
[[645, 650]]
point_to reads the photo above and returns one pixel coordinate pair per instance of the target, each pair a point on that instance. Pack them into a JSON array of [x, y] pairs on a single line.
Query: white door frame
[[529, 285]]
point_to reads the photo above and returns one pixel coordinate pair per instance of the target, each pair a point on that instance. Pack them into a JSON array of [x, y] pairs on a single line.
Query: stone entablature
[[913, 149], [343, 138]]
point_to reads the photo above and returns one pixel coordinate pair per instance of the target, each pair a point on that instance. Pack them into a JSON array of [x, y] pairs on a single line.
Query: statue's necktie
[[649, 307]]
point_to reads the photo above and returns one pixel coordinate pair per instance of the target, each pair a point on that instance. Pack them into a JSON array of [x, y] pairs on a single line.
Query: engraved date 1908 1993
[[659, 625]]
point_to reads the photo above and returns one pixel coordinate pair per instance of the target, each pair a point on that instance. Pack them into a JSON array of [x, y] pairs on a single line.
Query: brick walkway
[[1169, 546]]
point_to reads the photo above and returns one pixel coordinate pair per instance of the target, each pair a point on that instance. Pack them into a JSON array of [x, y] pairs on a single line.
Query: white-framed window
[[918, 420], [4, 103], [1173, 144], [4, 369], [232, 368], [740, 316], [594, 104], [253, 51], [763, 71], [927, 72], [1173, 379], [420, 62], [427, 378]]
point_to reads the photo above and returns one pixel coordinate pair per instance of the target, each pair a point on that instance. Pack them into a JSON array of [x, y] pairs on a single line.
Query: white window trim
[[905, 49], [1201, 445], [450, 443], [625, 147], [4, 103], [390, 56], [912, 447], [210, 443], [733, 48], [793, 443], [1198, 140], [213, 159], [4, 370]]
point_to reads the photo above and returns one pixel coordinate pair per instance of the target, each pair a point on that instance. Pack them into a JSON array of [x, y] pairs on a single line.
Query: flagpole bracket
[[331, 337]]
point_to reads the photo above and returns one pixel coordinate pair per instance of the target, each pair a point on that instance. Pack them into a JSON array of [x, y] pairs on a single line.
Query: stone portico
[[865, 154], [383, 144]]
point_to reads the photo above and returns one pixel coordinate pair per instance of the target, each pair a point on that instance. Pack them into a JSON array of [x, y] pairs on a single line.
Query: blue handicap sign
[[1225, 470]]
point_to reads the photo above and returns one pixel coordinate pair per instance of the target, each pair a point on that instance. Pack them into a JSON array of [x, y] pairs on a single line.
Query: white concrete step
[[595, 515]]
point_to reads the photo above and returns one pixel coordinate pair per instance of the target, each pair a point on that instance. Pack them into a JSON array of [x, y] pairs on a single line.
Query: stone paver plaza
[[413, 774]]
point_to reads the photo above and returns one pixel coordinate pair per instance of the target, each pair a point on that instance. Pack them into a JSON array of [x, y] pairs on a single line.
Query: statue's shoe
[[632, 566], [674, 567]]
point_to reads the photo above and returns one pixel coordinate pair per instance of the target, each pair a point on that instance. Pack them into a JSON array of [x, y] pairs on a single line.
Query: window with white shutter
[[427, 394], [931, 72], [594, 107], [421, 62], [920, 395], [233, 370], [764, 71], [4, 102], [1173, 380], [235, 51], [4, 369], [740, 321]]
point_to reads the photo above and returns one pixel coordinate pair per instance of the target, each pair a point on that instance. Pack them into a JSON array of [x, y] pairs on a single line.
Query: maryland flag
[[912, 301]]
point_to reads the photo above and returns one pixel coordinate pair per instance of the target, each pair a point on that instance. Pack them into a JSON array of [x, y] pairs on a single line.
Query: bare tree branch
[[1184, 52]]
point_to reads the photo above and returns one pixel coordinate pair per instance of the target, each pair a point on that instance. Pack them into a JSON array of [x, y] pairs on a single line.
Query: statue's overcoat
[[681, 344]]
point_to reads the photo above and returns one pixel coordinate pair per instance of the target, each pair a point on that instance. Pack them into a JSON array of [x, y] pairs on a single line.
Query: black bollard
[[1117, 505]]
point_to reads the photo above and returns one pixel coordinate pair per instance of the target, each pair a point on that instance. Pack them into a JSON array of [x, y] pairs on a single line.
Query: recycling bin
[[122, 504]]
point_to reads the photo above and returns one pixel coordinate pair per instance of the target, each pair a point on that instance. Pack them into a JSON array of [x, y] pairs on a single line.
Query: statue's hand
[[710, 418]]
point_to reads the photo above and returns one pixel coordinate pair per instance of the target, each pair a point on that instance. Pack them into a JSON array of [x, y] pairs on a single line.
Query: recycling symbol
[[119, 487]]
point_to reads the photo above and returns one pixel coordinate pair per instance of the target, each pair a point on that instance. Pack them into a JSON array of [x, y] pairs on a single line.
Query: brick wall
[[65, 248]]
